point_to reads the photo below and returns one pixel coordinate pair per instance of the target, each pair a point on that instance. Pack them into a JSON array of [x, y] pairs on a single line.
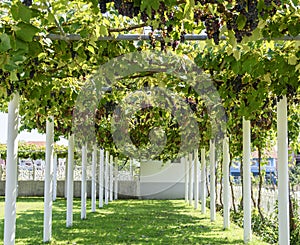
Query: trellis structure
[[10, 208], [105, 175]]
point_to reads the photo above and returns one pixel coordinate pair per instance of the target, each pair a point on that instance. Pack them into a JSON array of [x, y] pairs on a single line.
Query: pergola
[[106, 171]]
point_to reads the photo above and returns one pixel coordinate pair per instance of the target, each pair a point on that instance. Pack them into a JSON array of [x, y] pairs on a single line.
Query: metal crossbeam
[[137, 37]]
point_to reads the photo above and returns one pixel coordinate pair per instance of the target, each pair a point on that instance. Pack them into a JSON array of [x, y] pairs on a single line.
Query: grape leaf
[[26, 31], [21, 12], [4, 42], [188, 10], [241, 21]]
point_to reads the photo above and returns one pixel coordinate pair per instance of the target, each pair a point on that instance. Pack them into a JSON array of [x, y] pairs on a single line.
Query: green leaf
[[241, 21], [21, 12], [292, 60], [91, 49], [103, 30], [188, 10], [26, 31], [35, 49], [13, 76], [4, 42], [19, 45], [237, 54]]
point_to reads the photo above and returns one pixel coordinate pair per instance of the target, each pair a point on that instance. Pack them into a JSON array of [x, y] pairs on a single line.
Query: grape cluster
[[244, 10], [270, 8], [212, 26], [27, 3], [124, 7], [192, 103], [250, 12], [236, 84], [206, 1], [199, 16]]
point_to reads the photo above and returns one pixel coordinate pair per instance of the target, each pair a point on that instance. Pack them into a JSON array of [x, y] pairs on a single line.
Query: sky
[[23, 136]]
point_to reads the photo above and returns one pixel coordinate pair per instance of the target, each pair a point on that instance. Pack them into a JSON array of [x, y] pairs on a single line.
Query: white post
[[48, 179], [116, 179], [70, 185], [11, 172], [83, 182], [283, 177], [55, 160], [111, 178], [203, 181], [196, 179], [212, 180], [184, 160], [190, 178], [247, 179], [101, 178], [226, 193], [106, 177], [93, 187]]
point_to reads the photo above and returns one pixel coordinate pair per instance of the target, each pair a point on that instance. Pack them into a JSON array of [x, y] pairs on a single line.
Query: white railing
[[38, 173], [268, 198]]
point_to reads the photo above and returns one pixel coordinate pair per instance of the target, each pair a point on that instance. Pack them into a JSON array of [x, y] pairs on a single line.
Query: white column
[[106, 177], [212, 180], [93, 187], [184, 160], [196, 179], [190, 178], [101, 178], [116, 179], [11, 172], [203, 181], [111, 178], [70, 185], [247, 179], [283, 177], [55, 160], [83, 182], [226, 193], [48, 179]]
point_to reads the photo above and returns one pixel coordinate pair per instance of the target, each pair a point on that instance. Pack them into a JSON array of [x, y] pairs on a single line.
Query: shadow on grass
[[121, 222]]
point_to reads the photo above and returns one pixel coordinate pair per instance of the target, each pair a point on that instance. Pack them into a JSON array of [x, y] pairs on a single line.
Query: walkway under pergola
[[106, 162]]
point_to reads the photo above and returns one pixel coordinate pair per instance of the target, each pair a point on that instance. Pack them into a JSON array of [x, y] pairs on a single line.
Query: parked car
[[270, 169]]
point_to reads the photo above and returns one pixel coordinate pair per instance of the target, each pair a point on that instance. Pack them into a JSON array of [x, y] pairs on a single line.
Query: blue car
[[270, 168]]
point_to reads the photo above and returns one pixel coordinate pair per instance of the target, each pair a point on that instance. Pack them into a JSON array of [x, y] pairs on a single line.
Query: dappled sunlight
[[122, 222]]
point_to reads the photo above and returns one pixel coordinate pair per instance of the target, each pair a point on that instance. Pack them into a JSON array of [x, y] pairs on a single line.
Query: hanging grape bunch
[[213, 28], [27, 3], [242, 17], [248, 12], [125, 7]]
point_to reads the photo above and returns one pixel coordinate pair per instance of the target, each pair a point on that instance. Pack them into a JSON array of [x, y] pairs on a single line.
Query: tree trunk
[[216, 182], [260, 184], [293, 225], [241, 173], [221, 183], [252, 197], [207, 185], [232, 190]]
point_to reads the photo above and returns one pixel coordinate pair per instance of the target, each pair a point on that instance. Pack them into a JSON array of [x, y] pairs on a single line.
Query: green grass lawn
[[123, 222]]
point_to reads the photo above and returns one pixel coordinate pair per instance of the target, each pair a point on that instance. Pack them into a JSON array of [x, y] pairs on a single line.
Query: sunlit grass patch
[[123, 222]]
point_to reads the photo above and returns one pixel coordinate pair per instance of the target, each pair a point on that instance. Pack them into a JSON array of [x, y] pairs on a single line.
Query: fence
[[268, 198], [36, 172]]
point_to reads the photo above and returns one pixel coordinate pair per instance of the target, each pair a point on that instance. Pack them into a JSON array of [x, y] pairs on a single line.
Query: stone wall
[[127, 189]]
